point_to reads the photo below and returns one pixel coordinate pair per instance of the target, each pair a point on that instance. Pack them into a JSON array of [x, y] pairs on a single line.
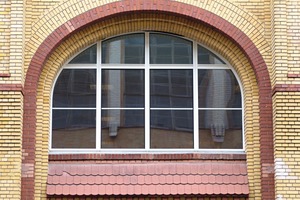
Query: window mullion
[[98, 98], [172, 112], [195, 93], [147, 92]]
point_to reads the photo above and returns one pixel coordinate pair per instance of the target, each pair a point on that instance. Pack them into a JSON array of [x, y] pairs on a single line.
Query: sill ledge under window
[[148, 156]]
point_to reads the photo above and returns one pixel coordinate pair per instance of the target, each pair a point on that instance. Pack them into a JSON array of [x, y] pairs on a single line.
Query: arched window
[[146, 92]]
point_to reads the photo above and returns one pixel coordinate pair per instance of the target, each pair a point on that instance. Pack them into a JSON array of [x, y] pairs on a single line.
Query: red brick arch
[[167, 6]]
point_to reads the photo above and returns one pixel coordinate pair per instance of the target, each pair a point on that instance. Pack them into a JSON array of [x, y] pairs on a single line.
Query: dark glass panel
[[128, 49], [88, 56], [166, 49], [218, 88], [172, 129], [73, 129], [171, 88], [123, 129], [123, 88], [75, 88], [220, 129], [207, 57]]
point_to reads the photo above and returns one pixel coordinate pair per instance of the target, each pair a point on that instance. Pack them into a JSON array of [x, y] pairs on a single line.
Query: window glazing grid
[[132, 99]]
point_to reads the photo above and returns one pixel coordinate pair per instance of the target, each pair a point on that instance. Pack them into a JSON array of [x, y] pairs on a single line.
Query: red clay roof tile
[[51, 190], [94, 190], [159, 178], [80, 189], [187, 189], [176, 179], [58, 189], [101, 189], [123, 189], [138, 190]]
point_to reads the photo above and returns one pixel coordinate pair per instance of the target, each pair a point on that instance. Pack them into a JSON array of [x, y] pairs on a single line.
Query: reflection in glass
[[73, 129], [88, 56], [123, 88], [128, 49], [171, 129], [220, 129], [218, 88], [171, 88], [170, 104], [124, 130], [207, 57], [166, 49], [75, 88]]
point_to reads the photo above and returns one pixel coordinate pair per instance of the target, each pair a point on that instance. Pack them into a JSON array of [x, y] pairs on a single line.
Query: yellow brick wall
[[4, 35], [285, 41], [11, 102], [62, 11], [287, 144], [273, 26], [261, 9], [286, 105], [11, 40], [10, 144], [255, 7], [293, 37], [43, 17], [247, 15], [279, 41]]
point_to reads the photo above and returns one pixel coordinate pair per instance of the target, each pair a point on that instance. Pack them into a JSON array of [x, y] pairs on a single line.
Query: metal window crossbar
[[162, 114]]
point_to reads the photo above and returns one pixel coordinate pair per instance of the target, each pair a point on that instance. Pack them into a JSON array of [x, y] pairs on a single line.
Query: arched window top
[[147, 92], [88, 56], [127, 49], [166, 49], [130, 49], [205, 56]]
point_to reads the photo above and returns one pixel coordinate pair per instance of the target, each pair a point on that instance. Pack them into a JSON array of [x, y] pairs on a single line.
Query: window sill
[[148, 156]]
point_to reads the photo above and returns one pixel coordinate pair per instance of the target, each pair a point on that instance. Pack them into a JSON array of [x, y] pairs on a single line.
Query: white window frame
[[147, 67]]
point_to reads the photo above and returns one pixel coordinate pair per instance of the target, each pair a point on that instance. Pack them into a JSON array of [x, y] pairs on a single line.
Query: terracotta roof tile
[[159, 178], [51, 190], [245, 190], [138, 190], [123, 189], [58, 189], [141, 180], [187, 189], [169, 179], [184, 179], [176, 179], [95, 189]]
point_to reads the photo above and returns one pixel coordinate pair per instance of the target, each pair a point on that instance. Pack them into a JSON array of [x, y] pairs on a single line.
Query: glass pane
[[128, 49], [207, 57], [171, 88], [123, 129], [172, 129], [88, 56], [220, 129], [123, 88], [73, 129], [75, 88], [166, 49], [218, 88]]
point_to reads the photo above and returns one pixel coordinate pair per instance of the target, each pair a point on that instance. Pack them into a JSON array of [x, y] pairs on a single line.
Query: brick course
[[258, 38], [10, 143], [83, 19]]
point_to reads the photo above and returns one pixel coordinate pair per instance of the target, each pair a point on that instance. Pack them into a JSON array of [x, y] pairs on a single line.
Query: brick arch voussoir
[[117, 8]]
